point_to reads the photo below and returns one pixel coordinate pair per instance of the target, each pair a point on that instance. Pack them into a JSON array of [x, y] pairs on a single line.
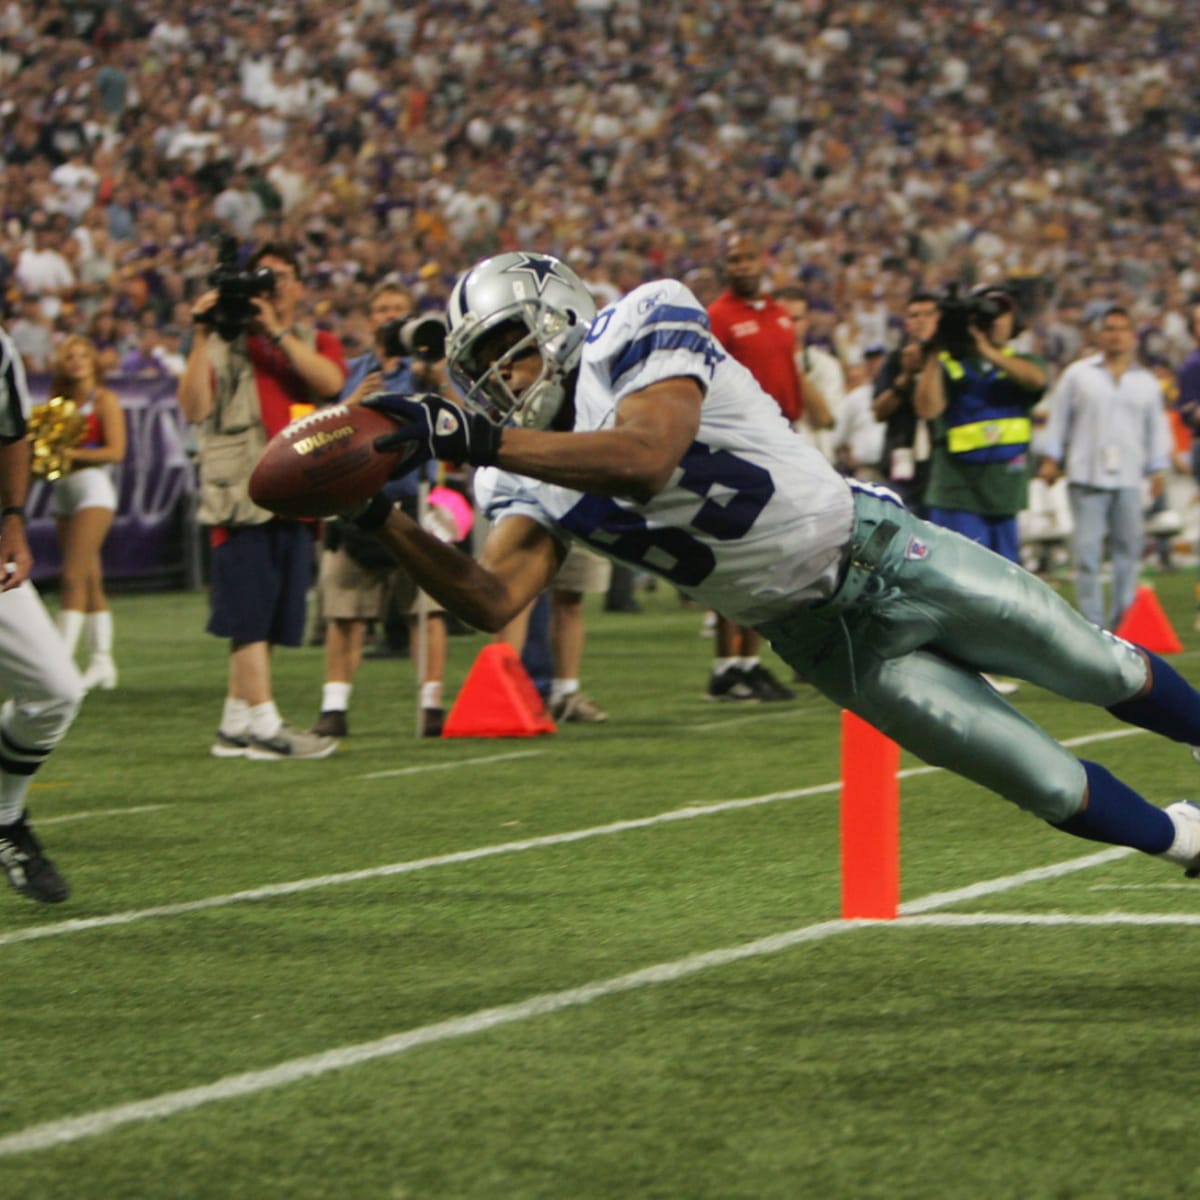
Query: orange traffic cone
[[1147, 625], [498, 699]]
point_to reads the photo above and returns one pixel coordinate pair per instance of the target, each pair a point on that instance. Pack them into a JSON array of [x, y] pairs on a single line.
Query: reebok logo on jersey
[[916, 549], [446, 424]]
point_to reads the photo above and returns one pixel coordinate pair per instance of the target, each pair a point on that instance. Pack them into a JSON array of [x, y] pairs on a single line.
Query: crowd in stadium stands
[[875, 146]]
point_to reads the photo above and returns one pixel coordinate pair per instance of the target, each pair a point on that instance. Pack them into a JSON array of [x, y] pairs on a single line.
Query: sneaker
[[578, 709], [28, 869], [730, 684], [230, 745], [432, 720], [1005, 687], [1188, 811], [290, 742], [331, 723], [765, 686]]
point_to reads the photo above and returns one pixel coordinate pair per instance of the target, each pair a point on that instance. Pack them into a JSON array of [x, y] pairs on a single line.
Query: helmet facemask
[[479, 368]]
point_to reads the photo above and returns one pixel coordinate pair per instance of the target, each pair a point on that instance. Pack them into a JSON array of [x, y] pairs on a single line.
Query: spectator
[[240, 391], [978, 393], [758, 332], [41, 268], [1188, 404], [85, 503], [356, 575], [822, 378], [858, 438], [32, 334], [1107, 432], [906, 443]]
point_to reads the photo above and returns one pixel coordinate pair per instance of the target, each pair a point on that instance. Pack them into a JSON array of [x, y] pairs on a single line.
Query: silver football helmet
[[502, 309]]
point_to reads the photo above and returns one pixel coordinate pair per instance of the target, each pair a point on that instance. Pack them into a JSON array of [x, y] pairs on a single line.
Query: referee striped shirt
[[14, 392]]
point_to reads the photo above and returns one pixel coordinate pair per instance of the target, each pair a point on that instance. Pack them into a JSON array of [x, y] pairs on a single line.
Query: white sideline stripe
[[79, 925], [1055, 920], [74, 1129], [99, 812], [102, 1121], [1006, 883], [450, 766], [293, 887]]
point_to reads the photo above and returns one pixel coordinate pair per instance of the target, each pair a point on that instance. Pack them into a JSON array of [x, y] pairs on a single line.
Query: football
[[325, 463]]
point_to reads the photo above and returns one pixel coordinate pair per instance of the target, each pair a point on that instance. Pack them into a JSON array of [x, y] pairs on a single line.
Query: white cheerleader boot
[[101, 673], [101, 670]]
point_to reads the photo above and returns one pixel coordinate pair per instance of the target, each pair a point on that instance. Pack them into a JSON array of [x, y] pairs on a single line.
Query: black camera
[[958, 315], [422, 335], [232, 313]]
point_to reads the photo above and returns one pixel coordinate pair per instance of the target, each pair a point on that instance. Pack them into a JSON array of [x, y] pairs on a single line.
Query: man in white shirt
[[820, 371], [1107, 431], [42, 270]]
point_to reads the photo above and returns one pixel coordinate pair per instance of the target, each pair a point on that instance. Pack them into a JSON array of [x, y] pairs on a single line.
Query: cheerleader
[[85, 503]]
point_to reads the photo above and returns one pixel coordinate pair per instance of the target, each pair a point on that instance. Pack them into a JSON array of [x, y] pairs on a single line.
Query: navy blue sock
[[1171, 706], [1116, 814]]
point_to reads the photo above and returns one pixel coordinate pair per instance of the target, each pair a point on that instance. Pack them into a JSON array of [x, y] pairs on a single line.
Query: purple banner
[[154, 534]]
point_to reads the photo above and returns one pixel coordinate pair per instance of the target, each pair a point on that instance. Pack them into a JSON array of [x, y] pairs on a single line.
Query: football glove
[[443, 430]]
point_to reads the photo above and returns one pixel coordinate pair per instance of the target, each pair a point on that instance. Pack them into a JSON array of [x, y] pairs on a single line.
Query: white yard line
[[289, 888], [269, 891], [450, 766], [1051, 920], [88, 814], [101, 1121]]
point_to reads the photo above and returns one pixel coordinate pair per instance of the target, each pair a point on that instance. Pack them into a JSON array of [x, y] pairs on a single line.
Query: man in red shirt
[[758, 332], [240, 387]]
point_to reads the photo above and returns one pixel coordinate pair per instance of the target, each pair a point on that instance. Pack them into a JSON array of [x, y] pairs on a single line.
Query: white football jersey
[[752, 521]]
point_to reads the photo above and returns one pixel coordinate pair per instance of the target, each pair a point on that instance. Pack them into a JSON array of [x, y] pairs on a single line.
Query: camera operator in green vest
[[978, 394]]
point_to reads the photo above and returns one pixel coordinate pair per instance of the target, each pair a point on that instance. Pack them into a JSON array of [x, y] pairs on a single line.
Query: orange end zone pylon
[[870, 821]]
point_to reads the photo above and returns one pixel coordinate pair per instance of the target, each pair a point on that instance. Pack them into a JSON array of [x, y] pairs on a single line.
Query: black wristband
[[13, 510], [375, 515]]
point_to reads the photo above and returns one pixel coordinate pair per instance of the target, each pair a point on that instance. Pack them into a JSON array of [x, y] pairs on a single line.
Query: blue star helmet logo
[[537, 267]]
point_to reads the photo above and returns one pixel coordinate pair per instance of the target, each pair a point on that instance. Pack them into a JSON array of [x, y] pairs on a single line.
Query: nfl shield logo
[[916, 549]]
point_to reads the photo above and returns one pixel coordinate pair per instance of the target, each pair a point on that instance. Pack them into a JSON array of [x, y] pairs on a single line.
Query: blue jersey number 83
[[674, 552]]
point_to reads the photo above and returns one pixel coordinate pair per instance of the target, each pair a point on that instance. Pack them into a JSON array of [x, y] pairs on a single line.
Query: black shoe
[[331, 723], [27, 867], [730, 684], [765, 686], [432, 720]]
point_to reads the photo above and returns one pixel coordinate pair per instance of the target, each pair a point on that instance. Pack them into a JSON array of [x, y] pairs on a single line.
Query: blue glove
[[445, 432]]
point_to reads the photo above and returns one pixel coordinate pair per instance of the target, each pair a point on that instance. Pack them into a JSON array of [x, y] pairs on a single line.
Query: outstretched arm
[[518, 559], [635, 459]]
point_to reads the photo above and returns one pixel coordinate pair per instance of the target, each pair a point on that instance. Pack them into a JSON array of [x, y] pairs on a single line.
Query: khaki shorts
[[583, 570], [349, 591]]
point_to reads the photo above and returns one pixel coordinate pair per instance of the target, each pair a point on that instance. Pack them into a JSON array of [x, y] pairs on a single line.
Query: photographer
[[408, 355], [978, 393], [905, 462], [251, 369]]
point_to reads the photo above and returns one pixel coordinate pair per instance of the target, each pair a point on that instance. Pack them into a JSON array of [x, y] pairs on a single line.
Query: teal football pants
[[920, 613]]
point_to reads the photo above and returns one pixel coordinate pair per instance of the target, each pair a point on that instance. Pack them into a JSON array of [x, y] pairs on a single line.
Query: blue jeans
[[1115, 514]]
